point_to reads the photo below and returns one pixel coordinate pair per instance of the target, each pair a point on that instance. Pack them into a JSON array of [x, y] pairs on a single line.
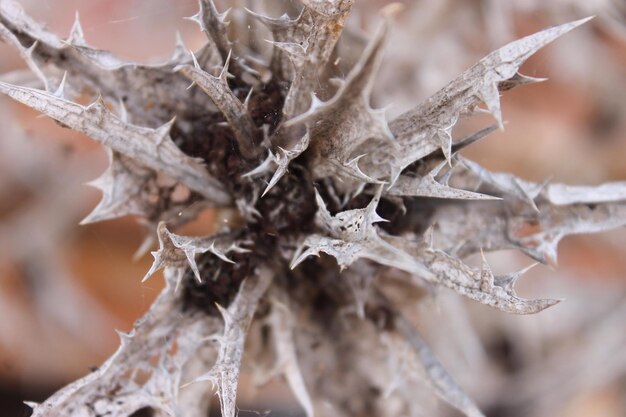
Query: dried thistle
[[306, 167]]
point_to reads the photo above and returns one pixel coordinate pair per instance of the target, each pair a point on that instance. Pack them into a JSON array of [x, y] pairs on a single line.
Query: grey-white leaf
[[233, 110], [283, 326], [353, 236], [283, 159], [100, 72], [177, 251], [419, 130], [153, 148], [237, 318], [444, 385], [321, 24], [476, 284], [215, 25], [428, 186], [494, 226], [124, 187], [342, 125], [146, 369], [507, 184]]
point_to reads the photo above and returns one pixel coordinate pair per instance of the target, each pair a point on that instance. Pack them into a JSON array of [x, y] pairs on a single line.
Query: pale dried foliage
[[272, 133]]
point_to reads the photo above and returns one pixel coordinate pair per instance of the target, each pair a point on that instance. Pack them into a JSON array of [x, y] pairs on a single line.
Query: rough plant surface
[[334, 208]]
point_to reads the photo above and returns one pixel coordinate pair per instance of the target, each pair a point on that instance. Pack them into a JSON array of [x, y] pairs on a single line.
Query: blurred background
[[64, 288]]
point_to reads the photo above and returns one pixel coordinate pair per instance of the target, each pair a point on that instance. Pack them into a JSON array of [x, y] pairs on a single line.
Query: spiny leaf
[[283, 327], [510, 185], [353, 236], [427, 186], [123, 185], [26, 53], [233, 110], [479, 285], [151, 147], [237, 318], [444, 385], [284, 158], [342, 126], [321, 23], [419, 131], [289, 35], [493, 226], [557, 222], [130, 379], [177, 251], [214, 24], [100, 72], [345, 146]]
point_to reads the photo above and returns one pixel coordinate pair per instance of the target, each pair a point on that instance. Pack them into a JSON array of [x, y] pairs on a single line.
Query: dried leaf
[[340, 127], [215, 26], [237, 318], [479, 285], [124, 185], [353, 236], [144, 372], [283, 159], [445, 387], [179, 251], [556, 210], [320, 24], [426, 128], [233, 110], [100, 72], [427, 186], [341, 145], [151, 147], [283, 327]]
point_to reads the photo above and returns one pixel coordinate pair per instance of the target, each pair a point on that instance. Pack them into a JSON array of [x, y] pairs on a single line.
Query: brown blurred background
[[64, 288]]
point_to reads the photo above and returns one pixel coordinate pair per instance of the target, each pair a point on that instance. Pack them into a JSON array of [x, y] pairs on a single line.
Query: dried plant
[[302, 165]]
